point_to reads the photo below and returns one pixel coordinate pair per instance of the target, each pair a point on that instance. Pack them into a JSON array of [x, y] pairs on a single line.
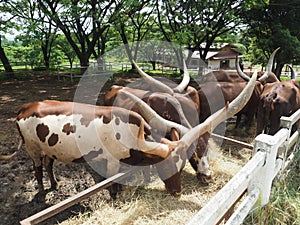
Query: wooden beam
[[232, 141], [55, 209]]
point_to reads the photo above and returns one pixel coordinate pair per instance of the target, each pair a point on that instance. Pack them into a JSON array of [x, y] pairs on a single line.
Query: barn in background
[[216, 59]]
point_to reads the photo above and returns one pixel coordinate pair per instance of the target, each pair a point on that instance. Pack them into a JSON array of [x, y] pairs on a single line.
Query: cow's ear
[[296, 83]]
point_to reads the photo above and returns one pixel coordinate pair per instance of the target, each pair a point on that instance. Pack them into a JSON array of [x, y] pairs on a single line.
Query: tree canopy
[[84, 29]]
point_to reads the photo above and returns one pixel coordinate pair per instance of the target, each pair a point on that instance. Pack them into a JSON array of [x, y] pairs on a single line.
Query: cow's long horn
[[153, 118], [152, 82], [185, 81], [154, 148], [269, 66], [293, 74], [215, 119], [239, 71]]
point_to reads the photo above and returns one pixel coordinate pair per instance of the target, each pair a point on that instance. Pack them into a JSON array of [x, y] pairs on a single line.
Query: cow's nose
[[204, 179], [175, 191]]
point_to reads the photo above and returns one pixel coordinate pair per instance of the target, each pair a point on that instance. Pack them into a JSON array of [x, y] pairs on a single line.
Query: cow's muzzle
[[204, 179]]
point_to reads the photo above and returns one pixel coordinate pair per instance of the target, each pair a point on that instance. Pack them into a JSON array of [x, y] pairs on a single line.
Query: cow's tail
[[8, 157]]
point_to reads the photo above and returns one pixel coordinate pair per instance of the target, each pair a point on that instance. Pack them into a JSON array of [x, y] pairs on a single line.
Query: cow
[[230, 84], [181, 108], [277, 99], [75, 132], [239, 76], [214, 95]]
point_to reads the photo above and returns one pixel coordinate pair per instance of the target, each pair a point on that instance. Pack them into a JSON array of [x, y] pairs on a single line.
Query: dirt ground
[[17, 181]]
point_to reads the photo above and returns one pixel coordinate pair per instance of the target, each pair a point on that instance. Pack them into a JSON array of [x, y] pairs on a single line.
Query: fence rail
[[270, 156], [55, 209]]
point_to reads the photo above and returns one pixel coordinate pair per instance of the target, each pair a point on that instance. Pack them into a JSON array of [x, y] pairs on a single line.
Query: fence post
[[264, 178], [288, 122]]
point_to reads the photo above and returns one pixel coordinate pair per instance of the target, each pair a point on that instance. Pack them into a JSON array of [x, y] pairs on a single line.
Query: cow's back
[[73, 132]]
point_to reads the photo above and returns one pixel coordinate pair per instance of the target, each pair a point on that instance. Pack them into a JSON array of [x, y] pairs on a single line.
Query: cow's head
[[267, 73], [278, 99]]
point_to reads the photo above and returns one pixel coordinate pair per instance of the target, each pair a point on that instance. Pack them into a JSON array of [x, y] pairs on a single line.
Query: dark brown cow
[[239, 76], [277, 99], [214, 95], [179, 108], [230, 84], [222, 76], [235, 77]]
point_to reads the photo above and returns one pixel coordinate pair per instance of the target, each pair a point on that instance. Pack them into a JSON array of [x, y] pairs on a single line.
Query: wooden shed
[[224, 58]]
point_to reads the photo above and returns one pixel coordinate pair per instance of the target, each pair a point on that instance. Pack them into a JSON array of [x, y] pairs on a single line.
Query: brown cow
[[179, 108], [213, 96], [230, 84], [277, 99]]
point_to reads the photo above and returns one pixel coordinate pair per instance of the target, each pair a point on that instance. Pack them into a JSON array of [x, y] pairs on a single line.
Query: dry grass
[[151, 204]]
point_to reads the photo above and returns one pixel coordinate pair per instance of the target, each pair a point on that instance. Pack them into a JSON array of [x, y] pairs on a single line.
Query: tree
[[197, 24], [36, 25], [82, 22], [134, 23], [275, 24], [6, 23], [64, 46]]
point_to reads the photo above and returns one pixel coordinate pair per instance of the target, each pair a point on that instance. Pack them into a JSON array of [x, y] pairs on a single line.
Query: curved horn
[[185, 81], [239, 71], [293, 74], [152, 82], [269, 66], [228, 111], [152, 117]]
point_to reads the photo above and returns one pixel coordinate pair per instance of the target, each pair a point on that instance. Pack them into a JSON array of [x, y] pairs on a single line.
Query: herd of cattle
[[161, 125]]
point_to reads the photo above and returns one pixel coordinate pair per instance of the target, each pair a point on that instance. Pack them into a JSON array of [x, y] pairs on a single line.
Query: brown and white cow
[[74, 132]]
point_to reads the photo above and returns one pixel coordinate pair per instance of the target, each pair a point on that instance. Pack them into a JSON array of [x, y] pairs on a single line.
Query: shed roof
[[226, 52]]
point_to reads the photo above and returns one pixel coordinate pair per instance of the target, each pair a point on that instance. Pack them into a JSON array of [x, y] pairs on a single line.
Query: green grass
[[284, 204]]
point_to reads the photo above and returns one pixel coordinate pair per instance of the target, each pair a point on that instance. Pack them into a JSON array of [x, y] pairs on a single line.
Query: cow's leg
[[37, 158], [238, 120], [38, 168], [49, 168], [260, 120], [39, 176], [114, 189]]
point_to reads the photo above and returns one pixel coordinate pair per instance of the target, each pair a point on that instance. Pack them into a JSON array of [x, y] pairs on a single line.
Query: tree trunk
[[278, 69], [4, 60], [84, 62], [46, 57]]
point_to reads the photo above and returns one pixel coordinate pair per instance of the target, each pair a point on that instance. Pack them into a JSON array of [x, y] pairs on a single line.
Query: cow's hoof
[[114, 189], [54, 187], [203, 179], [40, 197]]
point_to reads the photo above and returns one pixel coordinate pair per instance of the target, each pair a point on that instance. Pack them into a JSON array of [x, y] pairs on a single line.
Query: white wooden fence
[[271, 154]]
